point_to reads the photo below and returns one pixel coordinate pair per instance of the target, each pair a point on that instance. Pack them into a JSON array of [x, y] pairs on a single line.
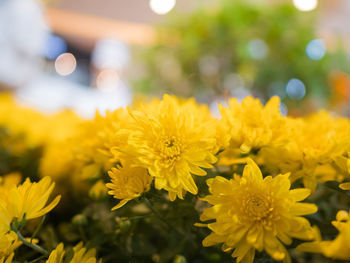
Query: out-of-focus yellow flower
[[315, 245], [8, 239], [48, 131], [12, 116], [7, 181], [8, 242], [93, 144], [251, 126], [81, 255], [43, 129], [319, 139], [98, 190], [60, 126], [15, 144], [339, 248], [256, 213], [57, 161], [345, 186], [28, 200], [343, 162], [128, 183], [172, 139], [85, 152], [56, 256], [315, 148], [7, 259]]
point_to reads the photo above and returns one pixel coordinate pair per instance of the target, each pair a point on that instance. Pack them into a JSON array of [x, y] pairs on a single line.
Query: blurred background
[[93, 54]]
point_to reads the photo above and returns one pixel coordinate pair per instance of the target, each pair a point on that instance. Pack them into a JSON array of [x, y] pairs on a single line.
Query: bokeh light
[[233, 81], [305, 5], [316, 49], [107, 80], [295, 89], [209, 66], [110, 54], [258, 49], [65, 64], [161, 7]]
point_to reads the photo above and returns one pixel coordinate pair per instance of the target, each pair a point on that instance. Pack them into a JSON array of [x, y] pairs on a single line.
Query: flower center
[[257, 207], [170, 150], [169, 143]]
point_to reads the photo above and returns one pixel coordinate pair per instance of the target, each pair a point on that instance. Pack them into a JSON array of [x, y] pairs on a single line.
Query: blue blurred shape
[[316, 49], [295, 89], [55, 46], [258, 49]]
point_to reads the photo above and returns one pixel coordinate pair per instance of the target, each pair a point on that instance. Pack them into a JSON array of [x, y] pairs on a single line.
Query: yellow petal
[[47, 209], [345, 186], [300, 209], [300, 193], [121, 203]]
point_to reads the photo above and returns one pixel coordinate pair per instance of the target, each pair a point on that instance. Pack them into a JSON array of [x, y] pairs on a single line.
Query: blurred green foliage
[[15, 157], [235, 47]]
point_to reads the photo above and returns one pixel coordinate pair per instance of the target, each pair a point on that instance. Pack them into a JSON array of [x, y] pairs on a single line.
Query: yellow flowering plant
[[166, 139], [255, 213], [251, 126], [166, 181], [80, 254], [127, 183]]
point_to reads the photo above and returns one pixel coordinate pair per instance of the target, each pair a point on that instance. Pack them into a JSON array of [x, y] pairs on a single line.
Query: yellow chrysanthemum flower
[[43, 129], [81, 254], [12, 116], [94, 142], [256, 213], [251, 126], [128, 183], [8, 239], [28, 199], [98, 190], [339, 248], [7, 181], [315, 146], [172, 139], [57, 161]]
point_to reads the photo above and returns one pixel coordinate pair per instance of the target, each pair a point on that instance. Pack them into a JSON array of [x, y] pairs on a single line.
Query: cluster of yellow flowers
[[168, 143], [37, 128], [20, 203], [80, 255]]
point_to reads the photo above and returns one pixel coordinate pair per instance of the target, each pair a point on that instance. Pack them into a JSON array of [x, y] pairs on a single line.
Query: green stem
[[149, 205], [139, 217], [38, 259], [37, 229], [32, 245]]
